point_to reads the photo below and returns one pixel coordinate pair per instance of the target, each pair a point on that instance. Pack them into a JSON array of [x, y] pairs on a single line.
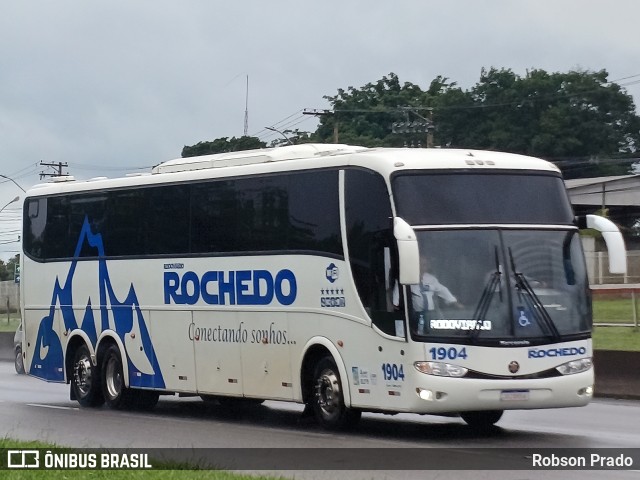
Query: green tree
[[11, 266], [573, 114], [578, 117], [7, 270], [222, 145], [366, 116]]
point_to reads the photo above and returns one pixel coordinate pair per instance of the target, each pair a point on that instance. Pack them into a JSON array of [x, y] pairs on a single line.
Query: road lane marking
[[52, 406]]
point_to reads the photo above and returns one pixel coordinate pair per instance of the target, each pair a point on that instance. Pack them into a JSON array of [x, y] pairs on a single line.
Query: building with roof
[[619, 197]]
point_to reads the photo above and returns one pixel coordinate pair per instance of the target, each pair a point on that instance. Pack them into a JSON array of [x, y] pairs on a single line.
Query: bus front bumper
[[444, 395]]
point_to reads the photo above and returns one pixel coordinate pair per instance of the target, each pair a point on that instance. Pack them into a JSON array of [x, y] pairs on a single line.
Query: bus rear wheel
[[116, 394], [85, 380], [328, 400], [482, 420]]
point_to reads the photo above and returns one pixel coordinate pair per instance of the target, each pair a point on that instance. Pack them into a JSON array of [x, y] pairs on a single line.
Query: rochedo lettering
[[556, 352], [241, 287]]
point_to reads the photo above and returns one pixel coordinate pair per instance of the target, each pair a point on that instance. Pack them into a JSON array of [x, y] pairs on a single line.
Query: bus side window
[[372, 249]]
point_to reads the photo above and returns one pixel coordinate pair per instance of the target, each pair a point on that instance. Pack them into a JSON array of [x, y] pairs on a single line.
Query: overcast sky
[[113, 86]]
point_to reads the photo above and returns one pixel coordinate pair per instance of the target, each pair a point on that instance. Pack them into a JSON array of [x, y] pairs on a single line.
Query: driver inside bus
[[426, 294]]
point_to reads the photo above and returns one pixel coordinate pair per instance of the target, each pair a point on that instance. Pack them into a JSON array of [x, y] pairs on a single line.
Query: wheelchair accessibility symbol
[[523, 320]]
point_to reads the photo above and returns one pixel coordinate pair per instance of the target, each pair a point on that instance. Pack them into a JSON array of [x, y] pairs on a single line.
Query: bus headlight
[[440, 369], [575, 366]]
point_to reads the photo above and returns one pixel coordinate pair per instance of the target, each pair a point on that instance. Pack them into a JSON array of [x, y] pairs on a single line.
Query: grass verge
[[616, 338], [11, 324]]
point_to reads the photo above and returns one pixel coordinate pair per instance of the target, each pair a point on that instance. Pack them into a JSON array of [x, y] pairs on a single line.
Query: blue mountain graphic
[[48, 358]]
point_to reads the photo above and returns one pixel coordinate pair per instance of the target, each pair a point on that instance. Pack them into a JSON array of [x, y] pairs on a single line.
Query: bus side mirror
[[408, 252], [613, 239]]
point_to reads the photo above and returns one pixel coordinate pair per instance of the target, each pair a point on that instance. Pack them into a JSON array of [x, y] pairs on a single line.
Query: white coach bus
[[345, 278]]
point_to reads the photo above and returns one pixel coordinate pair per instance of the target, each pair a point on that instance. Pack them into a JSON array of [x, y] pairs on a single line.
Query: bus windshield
[[489, 285], [498, 273]]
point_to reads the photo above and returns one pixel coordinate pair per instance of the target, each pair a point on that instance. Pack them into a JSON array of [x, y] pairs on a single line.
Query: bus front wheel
[[85, 381], [482, 420], [18, 363], [328, 400]]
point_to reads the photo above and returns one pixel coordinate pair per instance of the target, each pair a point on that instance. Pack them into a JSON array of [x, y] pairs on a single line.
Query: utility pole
[[56, 166], [424, 125], [322, 113]]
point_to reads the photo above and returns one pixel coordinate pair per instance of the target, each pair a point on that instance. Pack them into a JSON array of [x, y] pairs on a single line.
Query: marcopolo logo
[[332, 273], [240, 287], [556, 352]]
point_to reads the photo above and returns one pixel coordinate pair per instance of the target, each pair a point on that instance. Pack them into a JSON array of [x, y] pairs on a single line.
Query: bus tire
[[18, 363], [328, 400], [482, 420], [85, 379], [116, 395]]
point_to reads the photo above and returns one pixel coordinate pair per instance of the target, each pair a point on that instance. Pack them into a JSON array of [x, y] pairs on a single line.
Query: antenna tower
[[246, 110]]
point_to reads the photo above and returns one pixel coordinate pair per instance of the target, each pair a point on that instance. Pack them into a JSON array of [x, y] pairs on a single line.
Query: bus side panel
[[266, 366], [42, 342], [216, 336], [174, 348], [43, 345]]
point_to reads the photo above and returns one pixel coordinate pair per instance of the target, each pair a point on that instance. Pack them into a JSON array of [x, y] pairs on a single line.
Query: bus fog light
[[440, 369], [425, 394], [587, 391], [575, 366]]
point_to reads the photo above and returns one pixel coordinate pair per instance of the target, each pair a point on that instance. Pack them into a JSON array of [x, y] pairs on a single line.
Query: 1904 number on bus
[[451, 353], [392, 371]]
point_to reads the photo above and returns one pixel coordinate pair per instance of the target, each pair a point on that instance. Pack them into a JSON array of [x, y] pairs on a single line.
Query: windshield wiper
[[486, 297], [532, 301]]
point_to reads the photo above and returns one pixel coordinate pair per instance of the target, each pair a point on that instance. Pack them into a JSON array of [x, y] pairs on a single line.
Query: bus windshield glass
[[480, 198], [500, 285]]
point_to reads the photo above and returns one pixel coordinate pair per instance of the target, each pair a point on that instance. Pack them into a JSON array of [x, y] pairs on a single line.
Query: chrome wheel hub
[[113, 380], [82, 375], [328, 393]]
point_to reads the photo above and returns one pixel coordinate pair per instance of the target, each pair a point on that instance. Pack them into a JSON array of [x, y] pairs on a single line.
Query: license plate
[[514, 395]]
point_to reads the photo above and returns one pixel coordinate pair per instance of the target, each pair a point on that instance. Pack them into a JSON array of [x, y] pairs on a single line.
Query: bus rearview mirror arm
[[612, 237], [408, 252]]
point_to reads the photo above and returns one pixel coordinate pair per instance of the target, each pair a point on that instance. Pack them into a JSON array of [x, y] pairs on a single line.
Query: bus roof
[[303, 157]]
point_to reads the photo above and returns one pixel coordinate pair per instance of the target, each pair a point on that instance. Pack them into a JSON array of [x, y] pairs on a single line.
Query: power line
[[276, 125], [284, 125], [57, 167]]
